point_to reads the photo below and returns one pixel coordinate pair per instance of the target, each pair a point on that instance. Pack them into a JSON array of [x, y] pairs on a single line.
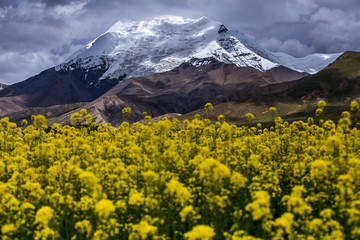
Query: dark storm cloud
[[37, 34], [54, 2], [329, 26], [4, 3]]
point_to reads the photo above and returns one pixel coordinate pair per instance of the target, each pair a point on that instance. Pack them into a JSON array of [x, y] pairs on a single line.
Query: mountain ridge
[[144, 48]]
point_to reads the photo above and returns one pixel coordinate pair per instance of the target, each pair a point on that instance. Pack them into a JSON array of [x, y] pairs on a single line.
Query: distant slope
[[341, 79], [52, 87], [51, 113]]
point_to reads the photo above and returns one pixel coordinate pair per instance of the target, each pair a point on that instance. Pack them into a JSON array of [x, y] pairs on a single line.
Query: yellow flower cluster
[[180, 180]]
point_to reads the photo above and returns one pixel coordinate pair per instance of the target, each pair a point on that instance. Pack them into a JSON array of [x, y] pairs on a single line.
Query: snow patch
[[312, 63]]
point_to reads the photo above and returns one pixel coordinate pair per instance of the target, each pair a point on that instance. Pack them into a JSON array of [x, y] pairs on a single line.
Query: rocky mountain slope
[[187, 88], [52, 87]]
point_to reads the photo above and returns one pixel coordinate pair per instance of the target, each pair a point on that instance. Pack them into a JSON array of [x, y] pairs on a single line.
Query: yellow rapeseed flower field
[[173, 180]]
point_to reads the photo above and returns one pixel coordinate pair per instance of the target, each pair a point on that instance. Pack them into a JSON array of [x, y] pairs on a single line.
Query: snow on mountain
[[310, 64], [2, 86], [160, 44]]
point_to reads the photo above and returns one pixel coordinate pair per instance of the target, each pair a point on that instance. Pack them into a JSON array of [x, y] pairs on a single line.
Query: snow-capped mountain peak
[[160, 44]]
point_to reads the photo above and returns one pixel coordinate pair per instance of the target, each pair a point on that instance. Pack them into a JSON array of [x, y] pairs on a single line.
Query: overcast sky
[[38, 34]]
